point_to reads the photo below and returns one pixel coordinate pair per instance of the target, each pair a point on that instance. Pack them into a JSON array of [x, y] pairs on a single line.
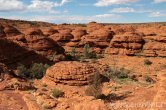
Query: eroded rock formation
[[70, 73]]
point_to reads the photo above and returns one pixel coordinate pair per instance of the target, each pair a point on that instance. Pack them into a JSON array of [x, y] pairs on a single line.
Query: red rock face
[[2, 33], [33, 31], [155, 48], [11, 31], [30, 45], [126, 44], [78, 33], [12, 54], [93, 26], [49, 31]]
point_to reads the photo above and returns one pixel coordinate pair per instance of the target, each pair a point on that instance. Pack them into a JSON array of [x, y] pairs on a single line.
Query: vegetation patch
[[147, 62], [36, 71], [120, 75], [57, 93], [94, 89]]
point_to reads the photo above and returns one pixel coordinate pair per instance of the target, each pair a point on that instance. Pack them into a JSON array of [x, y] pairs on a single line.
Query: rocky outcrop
[[93, 26], [63, 36], [11, 31], [5, 72], [12, 54], [78, 33], [2, 33], [154, 49], [49, 31], [155, 45], [33, 31], [127, 44], [41, 44], [70, 73]]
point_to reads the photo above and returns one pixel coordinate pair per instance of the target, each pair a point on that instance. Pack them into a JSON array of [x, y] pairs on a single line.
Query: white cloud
[[105, 18], [112, 2], [11, 5], [61, 3], [122, 10], [35, 5], [157, 14], [129, 10], [159, 1], [41, 5]]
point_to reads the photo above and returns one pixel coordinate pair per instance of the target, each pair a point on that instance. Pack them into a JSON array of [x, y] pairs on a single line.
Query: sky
[[84, 11]]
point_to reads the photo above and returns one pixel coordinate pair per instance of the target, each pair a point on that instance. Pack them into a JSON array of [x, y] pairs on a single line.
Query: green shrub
[[52, 56], [95, 88], [57, 93], [117, 73], [22, 71], [147, 62], [44, 85], [73, 52], [86, 51], [36, 71]]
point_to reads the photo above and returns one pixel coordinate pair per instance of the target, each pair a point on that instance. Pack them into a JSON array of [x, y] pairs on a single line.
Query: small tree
[[22, 71], [95, 88], [86, 51], [57, 93], [73, 52], [38, 70]]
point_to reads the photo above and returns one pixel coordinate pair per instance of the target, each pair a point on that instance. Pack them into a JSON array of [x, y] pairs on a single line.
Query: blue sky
[[84, 11]]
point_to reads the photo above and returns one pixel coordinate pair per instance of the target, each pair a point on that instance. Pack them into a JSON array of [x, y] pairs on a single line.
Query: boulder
[[70, 73]]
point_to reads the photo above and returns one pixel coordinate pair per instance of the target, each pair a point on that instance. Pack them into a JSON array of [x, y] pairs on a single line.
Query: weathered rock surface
[[49, 31], [126, 44], [78, 33], [70, 73], [154, 49], [11, 54], [11, 31], [2, 33]]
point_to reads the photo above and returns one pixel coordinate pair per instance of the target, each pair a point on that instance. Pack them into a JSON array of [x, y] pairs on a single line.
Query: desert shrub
[[148, 79], [86, 51], [72, 55], [94, 89], [117, 73], [57, 93], [36, 71], [147, 62], [73, 52], [52, 56], [93, 55], [22, 71], [69, 57], [44, 85], [45, 106]]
